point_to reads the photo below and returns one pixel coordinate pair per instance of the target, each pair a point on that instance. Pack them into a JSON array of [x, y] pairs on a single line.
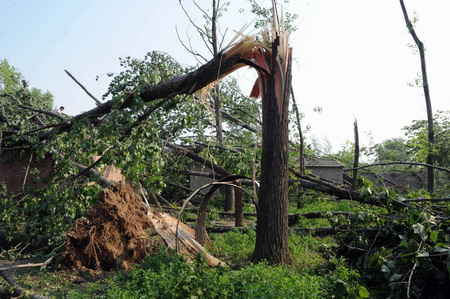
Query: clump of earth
[[115, 233]]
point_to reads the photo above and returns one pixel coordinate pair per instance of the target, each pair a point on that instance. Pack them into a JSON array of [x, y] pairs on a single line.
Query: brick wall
[[14, 165]]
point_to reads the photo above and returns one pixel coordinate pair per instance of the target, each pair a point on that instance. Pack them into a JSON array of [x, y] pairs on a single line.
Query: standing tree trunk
[[272, 222], [216, 90], [238, 206], [227, 191], [426, 91], [356, 157], [301, 148], [300, 134]]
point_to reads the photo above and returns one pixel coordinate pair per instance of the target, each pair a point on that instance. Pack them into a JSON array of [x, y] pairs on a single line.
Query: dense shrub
[[171, 276]]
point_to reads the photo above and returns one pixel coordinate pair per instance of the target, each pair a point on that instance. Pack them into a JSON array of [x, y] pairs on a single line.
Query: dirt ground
[[115, 233]]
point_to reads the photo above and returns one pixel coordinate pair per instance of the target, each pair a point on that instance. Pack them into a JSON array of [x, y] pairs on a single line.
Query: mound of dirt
[[115, 233]]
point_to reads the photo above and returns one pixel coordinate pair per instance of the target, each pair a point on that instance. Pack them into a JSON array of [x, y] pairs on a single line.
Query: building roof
[[321, 162]]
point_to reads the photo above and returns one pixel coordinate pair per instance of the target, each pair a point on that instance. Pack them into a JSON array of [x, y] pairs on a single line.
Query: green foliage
[[135, 147], [393, 149], [409, 251], [46, 214], [169, 276], [264, 15], [10, 77], [417, 139], [14, 90], [234, 247]]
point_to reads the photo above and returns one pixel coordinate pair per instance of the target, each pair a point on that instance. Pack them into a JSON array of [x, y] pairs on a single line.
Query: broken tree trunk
[[426, 92], [272, 222]]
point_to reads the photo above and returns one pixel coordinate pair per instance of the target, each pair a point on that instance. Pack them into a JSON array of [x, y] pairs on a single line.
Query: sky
[[351, 57]]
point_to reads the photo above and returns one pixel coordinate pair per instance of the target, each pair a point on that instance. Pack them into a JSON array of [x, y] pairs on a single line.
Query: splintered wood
[[166, 227]]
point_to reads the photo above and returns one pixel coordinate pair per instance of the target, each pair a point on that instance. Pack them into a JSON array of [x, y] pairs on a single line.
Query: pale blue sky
[[351, 56]]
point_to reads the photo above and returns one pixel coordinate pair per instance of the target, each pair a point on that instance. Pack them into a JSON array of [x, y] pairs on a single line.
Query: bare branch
[[199, 30], [84, 88], [199, 159], [206, 42], [189, 49], [237, 121], [223, 38], [202, 10], [49, 113]]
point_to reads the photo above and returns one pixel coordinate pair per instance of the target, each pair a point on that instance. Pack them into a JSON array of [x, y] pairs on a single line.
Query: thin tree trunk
[[238, 206], [229, 198], [218, 111], [301, 157], [356, 157], [228, 192], [426, 91], [300, 133]]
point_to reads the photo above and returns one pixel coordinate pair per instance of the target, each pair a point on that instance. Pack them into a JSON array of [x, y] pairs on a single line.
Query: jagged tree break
[[271, 57]]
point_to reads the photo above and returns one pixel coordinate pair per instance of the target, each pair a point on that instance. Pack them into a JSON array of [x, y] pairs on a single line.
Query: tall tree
[[416, 143], [19, 102], [426, 91], [393, 149], [274, 84], [209, 34]]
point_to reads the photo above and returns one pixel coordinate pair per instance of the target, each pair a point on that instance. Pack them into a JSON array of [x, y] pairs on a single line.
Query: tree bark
[[238, 206], [272, 222], [228, 193]]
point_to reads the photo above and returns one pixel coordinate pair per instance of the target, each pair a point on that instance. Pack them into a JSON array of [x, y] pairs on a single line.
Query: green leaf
[[433, 236], [363, 292], [405, 244]]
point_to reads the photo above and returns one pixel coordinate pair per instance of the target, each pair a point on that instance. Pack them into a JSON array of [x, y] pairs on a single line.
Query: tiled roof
[[321, 162]]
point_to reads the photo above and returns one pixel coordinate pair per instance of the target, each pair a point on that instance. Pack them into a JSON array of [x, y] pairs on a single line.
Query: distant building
[[327, 169], [20, 170], [404, 181]]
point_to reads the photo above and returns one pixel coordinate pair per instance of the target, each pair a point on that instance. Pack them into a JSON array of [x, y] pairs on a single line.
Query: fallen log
[[311, 215], [319, 231], [17, 289]]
